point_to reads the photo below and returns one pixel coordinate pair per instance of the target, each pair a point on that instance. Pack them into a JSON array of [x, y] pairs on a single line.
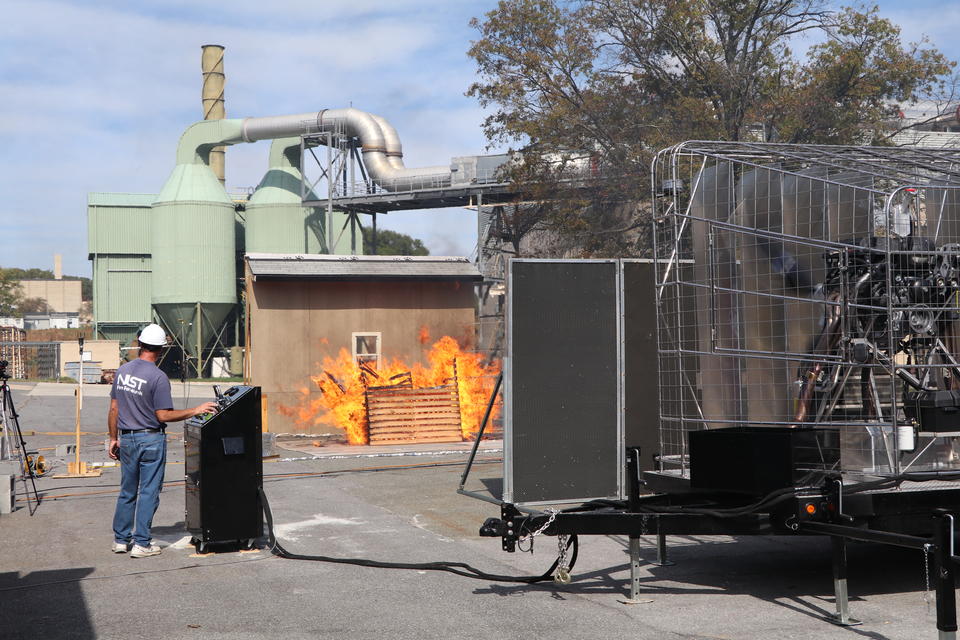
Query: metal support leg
[[633, 504], [842, 616], [634, 567], [635, 574], [944, 575], [662, 559]]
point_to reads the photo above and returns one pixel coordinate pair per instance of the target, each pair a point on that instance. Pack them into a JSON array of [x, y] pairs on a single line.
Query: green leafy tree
[[591, 89], [392, 243], [30, 274], [852, 86], [10, 294], [32, 305]]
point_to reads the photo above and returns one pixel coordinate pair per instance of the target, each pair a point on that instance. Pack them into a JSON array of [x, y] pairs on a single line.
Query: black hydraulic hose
[[770, 500], [458, 568]]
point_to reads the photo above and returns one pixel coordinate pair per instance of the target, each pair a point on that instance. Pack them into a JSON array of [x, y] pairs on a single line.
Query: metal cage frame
[[817, 269]]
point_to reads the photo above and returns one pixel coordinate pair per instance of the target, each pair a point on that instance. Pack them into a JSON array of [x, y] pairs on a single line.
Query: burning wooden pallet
[[400, 414]]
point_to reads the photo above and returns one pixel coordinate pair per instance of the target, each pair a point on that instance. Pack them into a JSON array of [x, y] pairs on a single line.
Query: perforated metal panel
[[563, 431]]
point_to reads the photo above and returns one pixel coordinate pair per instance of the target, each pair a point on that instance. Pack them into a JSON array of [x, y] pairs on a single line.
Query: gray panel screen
[[564, 351], [641, 417]]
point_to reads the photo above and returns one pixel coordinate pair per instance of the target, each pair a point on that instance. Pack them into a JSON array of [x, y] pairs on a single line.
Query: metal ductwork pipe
[[380, 144], [392, 140]]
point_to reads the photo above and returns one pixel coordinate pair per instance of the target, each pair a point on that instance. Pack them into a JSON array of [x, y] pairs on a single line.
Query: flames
[[336, 395]]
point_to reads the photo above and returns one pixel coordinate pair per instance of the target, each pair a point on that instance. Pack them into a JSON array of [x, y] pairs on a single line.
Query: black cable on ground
[[458, 568]]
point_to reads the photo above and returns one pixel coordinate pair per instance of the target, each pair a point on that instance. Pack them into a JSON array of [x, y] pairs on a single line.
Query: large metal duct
[[380, 144]]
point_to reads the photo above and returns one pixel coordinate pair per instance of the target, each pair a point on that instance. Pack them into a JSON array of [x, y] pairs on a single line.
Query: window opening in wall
[[366, 348]]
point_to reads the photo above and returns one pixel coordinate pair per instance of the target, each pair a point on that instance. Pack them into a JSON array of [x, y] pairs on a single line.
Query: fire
[[336, 395]]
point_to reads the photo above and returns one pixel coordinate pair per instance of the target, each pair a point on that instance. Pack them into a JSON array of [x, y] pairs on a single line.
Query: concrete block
[[64, 450], [10, 467], [7, 493], [269, 444]]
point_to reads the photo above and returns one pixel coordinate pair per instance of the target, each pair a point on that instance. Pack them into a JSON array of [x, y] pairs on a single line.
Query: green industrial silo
[[277, 222], [193, 243]]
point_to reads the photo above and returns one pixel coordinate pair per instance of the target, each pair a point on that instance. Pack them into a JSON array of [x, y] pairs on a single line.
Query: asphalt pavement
[[58, 578]]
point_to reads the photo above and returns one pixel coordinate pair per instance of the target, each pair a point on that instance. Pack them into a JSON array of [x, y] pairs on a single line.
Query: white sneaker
[[121, 547], [145, 552]]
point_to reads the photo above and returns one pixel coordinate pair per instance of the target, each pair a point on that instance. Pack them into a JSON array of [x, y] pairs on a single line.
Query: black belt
[[125, 431]]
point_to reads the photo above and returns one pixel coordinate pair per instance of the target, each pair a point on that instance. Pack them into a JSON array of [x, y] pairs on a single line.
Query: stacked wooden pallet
[[12, 352], [400, 414]]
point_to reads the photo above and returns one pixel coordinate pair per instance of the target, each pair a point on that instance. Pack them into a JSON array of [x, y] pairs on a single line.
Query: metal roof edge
[[477, 277], [117, 199], [317, 257]]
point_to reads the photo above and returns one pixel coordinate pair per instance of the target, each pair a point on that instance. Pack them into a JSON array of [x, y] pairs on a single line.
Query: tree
[[29, 274], [32, 305], [10, 293], [590, 89], [851, 88], [391, 243]]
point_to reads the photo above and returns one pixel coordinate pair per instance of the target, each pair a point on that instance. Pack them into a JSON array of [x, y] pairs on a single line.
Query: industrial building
[[58, 295], [176, 257], [193, 290], [373, 307]]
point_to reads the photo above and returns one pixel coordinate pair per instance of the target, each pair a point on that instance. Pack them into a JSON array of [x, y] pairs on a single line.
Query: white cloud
[[939, 22], [96, 95]]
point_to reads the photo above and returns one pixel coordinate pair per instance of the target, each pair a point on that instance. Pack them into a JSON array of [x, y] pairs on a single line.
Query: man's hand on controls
[[206, 407]]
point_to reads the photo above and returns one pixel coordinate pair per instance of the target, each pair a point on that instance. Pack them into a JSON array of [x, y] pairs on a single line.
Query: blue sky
[[94, 96]]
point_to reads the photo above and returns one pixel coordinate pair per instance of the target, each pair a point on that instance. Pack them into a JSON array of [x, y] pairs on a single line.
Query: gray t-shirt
[[140, 389]]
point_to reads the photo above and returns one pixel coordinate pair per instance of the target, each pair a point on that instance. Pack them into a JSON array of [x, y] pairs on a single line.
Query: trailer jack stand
[[662, 559], [842, 616], [635, 574]]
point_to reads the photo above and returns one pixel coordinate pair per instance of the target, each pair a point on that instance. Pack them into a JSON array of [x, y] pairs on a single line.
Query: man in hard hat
[[140, 407]]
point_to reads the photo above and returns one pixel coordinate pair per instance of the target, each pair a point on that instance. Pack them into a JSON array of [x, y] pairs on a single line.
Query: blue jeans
[[143, 457]]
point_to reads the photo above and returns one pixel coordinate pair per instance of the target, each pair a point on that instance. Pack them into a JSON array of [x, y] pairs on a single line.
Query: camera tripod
[[9, 419]]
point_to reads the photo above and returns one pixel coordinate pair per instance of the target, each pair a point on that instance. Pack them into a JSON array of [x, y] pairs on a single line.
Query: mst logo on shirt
[[131, 383]]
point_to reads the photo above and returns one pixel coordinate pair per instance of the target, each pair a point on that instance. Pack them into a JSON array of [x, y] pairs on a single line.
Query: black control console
[[224, 470]]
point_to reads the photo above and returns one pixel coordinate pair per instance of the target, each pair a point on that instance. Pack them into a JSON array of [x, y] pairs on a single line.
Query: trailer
[[806, 336]]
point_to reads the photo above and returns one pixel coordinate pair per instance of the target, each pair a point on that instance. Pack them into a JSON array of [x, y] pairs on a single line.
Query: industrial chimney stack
[[211, 63]]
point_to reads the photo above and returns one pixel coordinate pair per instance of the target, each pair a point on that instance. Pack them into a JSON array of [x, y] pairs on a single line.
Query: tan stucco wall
[[61, 295], [106, 352], [294, 325]]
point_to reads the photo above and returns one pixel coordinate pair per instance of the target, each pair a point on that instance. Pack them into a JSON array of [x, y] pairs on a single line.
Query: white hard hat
[[153, 334]]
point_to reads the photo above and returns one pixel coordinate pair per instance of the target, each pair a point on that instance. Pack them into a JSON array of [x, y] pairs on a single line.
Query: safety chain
[[562, 574], [546, 525], [926, 575]]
